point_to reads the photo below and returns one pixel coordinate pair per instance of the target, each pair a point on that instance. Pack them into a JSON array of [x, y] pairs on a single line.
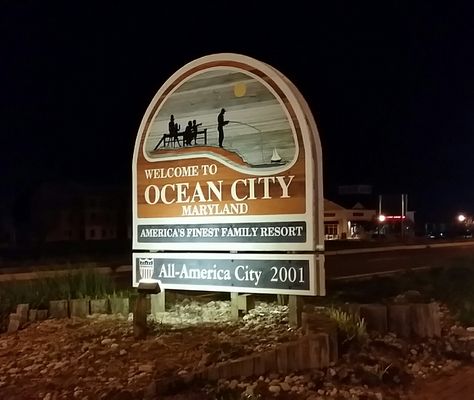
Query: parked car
[[436, 235]]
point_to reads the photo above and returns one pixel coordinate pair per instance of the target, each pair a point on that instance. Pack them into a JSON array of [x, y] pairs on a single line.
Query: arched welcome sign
[[227, 168]]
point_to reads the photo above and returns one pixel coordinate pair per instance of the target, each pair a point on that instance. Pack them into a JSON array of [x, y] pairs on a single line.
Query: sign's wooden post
[[295, 308], [158, 302], [234, 305]]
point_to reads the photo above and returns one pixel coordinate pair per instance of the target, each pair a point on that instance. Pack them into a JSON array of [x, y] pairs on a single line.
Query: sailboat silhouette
[[275, 157]]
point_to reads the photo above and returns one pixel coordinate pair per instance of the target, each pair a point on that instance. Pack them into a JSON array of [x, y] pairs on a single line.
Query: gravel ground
[[98, 358]]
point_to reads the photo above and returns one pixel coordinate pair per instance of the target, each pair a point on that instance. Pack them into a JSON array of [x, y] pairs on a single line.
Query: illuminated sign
[[249, 273], [228, 158]]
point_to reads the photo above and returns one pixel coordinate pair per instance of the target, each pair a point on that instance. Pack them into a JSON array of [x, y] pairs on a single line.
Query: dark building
[[73, 212]]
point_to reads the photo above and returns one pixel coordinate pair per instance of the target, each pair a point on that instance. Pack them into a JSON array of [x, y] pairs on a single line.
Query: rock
[[93, 366], [410, 296], [368, 377], [150, 391], [233, 384], [342, 373], [146, 368], [249, 391], [274, 389]]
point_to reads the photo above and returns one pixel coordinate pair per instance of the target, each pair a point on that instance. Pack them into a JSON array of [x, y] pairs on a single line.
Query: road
[[359, 262], [342, 262]]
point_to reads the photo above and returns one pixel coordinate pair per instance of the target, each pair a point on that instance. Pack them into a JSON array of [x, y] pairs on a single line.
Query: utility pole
[[402, 233], [378, 217], [404, 214]]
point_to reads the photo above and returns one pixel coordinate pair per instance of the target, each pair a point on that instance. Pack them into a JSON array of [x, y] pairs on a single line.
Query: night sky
[[391, 86]]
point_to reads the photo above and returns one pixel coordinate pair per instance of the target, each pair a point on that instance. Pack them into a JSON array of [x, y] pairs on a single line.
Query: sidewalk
[[458, 386]]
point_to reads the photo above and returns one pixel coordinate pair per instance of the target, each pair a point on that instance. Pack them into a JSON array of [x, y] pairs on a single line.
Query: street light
[[381, 219], [466, 222]]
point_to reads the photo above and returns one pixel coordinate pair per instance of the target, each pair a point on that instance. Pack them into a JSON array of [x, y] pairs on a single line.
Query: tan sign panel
[[227, 157]]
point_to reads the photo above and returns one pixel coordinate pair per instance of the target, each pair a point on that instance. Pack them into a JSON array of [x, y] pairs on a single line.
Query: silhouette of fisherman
[[220, 126]]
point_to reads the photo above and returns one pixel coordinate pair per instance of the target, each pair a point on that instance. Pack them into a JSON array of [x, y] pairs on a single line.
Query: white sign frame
[[316, 277], [310, 145]]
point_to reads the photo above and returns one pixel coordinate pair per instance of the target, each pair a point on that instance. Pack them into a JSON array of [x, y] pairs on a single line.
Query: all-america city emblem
[[146, 267], [227, 157]]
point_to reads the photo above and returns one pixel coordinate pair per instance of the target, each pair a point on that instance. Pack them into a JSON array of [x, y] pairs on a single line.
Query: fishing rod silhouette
[[275, 154], [253, 127], [244, 123]]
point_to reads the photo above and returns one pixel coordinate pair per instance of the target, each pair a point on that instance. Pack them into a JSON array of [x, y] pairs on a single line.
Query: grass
[[351, 329], [453, 286], [85, 283]]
